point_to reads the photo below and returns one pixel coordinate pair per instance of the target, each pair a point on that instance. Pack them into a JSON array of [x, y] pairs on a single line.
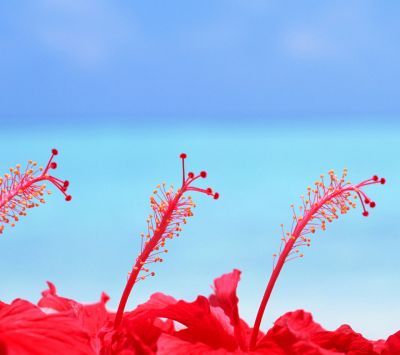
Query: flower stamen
[[21, 190], [322, 204], [170, 211]]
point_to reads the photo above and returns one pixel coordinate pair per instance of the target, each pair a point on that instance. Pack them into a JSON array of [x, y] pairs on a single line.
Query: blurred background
[[264, 95]]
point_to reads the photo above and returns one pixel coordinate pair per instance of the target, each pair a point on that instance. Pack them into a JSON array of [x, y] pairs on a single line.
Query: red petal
[[92, 317], [225, 297], [201, 324], [24, 328], [392, 345], [51, 300], [290, 328], [168, 345], [140, 329], [296, 333], [122, 343], [344, 339], [157, 301]]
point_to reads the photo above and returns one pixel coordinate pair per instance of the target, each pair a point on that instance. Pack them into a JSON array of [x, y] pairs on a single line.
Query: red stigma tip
[[191, 175], [365, 213], [68, 198], [54, 151], [216, 196], [53, 165], [383, 180], [372, 204], [375, 178], [183, 156], [203, 174], [367, 200]]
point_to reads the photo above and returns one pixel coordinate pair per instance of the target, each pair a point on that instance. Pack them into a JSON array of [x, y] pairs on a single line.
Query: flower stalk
[[170, 210], [321, 204]]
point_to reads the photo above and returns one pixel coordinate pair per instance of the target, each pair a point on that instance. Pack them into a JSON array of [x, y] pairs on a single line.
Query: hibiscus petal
[[223, 319], [290, 328], [296, 333], [140, 328], [25, 329], [344, 339], [157, 301], [201, 324], [92, 317], [168, 344], [392, 345], [125, 342], [225, 297]]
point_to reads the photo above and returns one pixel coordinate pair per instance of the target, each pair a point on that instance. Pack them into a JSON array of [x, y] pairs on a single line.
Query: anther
[[53, 165], [216, 196], [191, 175], [54, 151], [183, 156], [383, 180], [203, 174], [375, 178], [372, 204], [365, 213], [68, 198]]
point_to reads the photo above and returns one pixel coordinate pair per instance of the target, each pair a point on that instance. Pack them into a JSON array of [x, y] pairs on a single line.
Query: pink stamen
[[22, 190], [322, 205], [170, 211]]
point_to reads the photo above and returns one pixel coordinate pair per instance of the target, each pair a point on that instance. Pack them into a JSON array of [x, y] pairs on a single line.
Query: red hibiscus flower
[[205, 326]]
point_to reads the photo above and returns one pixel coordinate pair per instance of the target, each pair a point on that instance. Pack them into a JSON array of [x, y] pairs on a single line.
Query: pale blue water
[[350, 273]]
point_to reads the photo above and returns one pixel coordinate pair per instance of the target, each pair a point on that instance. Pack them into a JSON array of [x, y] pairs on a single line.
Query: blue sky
[[264, 95], [90, 60]]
